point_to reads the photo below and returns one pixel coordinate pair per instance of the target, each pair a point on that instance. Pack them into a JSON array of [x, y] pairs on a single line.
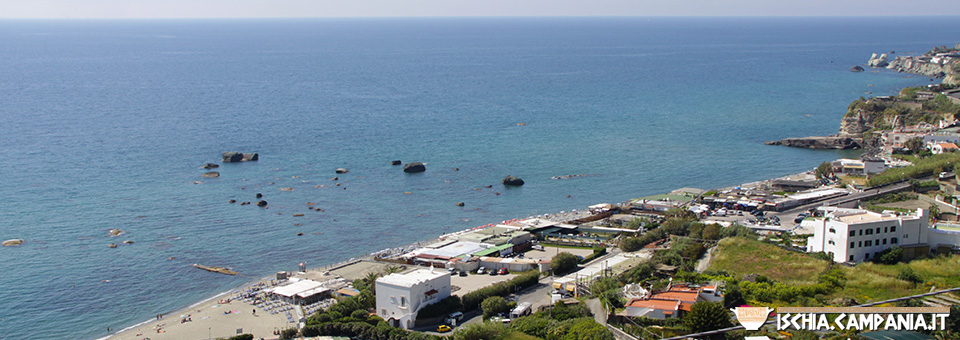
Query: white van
[[454, 318]]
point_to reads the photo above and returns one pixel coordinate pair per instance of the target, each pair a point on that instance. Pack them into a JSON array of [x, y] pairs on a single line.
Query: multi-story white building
[[855, 235], [401, 296]]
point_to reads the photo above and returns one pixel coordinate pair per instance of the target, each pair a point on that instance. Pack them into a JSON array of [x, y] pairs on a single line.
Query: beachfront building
[[301, 291], [939, 148], [671, 303], [401, 296], [856, 235]]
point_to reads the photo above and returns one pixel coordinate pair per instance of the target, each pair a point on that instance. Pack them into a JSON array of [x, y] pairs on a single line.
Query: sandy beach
[[213, 319]]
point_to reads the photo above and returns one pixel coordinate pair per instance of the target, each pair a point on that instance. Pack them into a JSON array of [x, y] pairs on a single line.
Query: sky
[[457, 8]]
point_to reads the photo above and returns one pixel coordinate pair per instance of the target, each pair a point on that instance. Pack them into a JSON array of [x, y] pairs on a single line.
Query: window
[[884, 241], [886, 229], [851, 258], [830, 242], [403, 301], [893, 240], [860, 244], [878, 230], [861, 232], [866, 256], [383, 311], [852, 245], [869, 243], [869, 231], [893, 229], [833, 231], [853, 233]]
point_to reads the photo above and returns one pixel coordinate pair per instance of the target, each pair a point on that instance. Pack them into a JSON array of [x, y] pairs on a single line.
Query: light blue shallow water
[[104, 124]]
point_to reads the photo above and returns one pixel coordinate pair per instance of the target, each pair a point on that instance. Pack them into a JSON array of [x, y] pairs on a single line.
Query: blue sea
[[105, 123]]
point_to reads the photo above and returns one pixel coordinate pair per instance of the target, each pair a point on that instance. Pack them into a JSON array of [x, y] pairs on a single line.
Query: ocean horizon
[[106, 124]]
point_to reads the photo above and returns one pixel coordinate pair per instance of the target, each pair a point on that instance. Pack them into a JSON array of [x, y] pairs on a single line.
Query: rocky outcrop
[[876, 61], [261, 203], [460, 204], [233, 157], [414, 167], [342, 170], [12, 243], [512, 181], [856, 68], [827, 142], [211, 174], [855, 123], [211, 166], [396, 162]]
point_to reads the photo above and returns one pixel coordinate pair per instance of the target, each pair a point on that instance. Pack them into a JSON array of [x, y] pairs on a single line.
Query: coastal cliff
[[940, 62], [821, 142]]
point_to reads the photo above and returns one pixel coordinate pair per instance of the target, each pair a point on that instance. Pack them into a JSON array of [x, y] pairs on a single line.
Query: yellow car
[[443, 328]]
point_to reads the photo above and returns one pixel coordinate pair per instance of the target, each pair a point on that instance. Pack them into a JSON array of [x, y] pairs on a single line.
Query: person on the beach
[[254, 311]]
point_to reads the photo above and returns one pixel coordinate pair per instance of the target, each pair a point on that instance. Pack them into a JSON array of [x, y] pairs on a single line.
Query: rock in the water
[[880, 61], [211, 174], [286, 189], [299, 234], [856, 68], [244, 203], [342, 170], [233, 156], [397, 162], [211, 166], [115, 232], [414, 167], [259, 195], [112, 245], [828, 142], [460, 204], [261, 203], [12, 243], [232, 201], [512, 181], [298, 215], [488, 186], [128, 242]]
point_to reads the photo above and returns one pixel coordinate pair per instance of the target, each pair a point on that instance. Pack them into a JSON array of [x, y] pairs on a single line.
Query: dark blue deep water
[[104, 124]]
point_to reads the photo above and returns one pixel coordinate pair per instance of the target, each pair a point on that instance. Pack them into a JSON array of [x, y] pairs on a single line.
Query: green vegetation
[[893, 197], [473, 299], [823, 170], [925, 185], [241, 337], [289, 333], [494, 305], [707, 316], [446, 306], [562, 263], [921, 167], [562, 322], [481, 331]]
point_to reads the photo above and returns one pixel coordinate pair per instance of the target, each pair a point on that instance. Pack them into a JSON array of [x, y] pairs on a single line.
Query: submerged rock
[[261, 203], [414, 167], [232, 201], [211, 166], [396, 162], [512, 181], [460, 204], [211, 174], [856, 68], [112, 245], [342, 170], [115, 232]]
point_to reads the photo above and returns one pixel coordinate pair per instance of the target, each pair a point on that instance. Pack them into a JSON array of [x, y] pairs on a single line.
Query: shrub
[[494, 305], [889, 256], [360, 314], [597, 252], [907, 274], [480, 331], [630, 244], [562, 263], [289, 333], [241, 337]]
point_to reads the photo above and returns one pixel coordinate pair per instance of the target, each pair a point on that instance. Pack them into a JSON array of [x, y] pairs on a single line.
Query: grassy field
[[739, 256], [866, 282]]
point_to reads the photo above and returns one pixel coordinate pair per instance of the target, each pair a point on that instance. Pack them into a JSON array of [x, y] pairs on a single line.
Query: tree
[[242, 337], [480, 331], [562, 263], [733, 297], [706, 316], [915, 145], [823, 170], [629, 244], [494, 305], [907, 274], [289, 333], [712, 231], [889, 256]]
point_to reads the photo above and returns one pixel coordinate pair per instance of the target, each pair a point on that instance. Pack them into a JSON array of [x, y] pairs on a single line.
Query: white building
[[855, 235], [401, 296]]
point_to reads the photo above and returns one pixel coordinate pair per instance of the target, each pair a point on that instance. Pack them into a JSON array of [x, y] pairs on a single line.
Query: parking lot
[[473, 282], [549, 252]]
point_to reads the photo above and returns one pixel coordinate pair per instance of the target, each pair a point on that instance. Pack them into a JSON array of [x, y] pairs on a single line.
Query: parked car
[[454, 318], [463, 273], [800, 218], [443, 328], [493, 272], [503, 271], [537, 247], [481, 270]]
